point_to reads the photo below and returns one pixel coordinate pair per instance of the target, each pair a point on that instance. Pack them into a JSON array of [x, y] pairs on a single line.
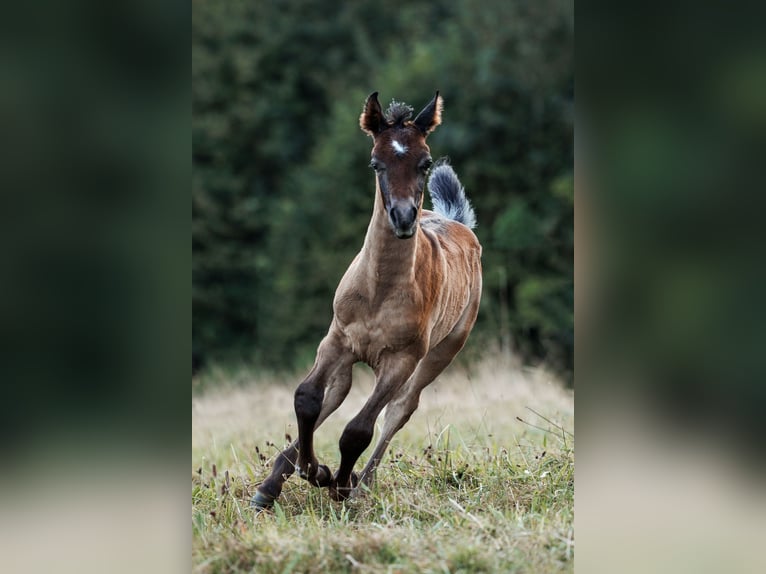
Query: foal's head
[[400, 157]]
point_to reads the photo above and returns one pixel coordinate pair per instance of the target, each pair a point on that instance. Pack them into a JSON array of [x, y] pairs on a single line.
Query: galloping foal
[[405, 306]]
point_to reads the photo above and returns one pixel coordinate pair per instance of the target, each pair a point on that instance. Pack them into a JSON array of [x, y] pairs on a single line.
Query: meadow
[[480, 480]]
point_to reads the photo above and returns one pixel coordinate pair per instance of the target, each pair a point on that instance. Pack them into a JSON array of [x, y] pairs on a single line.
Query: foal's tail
[[448, 195]]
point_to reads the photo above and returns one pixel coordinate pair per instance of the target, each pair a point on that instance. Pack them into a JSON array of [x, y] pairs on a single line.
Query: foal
[[405, 306]]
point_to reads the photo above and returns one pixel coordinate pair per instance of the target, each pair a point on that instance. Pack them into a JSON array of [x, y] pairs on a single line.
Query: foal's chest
[[373, 327]]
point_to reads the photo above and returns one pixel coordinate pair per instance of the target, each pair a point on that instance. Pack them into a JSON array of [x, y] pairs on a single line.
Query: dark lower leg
[[332, 368], [354, 440], [283, 468], [334, 397], [308, 406]]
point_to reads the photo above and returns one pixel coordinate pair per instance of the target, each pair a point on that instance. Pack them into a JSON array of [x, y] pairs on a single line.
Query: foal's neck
[[388, 258]]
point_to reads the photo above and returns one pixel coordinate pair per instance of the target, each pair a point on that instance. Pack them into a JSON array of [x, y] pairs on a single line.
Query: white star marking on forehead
[[398, 148]]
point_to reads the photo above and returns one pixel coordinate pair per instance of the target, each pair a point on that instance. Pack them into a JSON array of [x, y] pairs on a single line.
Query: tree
[[282, 193]]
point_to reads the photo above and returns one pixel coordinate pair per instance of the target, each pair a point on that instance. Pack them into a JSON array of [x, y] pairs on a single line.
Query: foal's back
[[456, 271]]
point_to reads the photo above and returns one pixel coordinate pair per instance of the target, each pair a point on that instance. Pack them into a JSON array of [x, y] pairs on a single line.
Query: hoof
[[340, 493], [323, 476], [262, 501]]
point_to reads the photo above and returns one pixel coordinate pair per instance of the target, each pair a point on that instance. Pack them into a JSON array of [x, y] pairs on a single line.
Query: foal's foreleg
[[284, 465], [357, 435], [313, 405], [336, 393], [401, 407], [332, 369]]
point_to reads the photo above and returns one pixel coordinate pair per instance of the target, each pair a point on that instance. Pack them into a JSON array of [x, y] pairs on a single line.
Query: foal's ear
[[372, 121], [431, 116]]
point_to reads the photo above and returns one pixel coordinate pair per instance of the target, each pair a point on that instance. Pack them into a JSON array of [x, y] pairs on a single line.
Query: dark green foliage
[[281, 191]]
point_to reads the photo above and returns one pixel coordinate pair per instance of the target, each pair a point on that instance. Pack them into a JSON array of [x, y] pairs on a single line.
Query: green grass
[[465, 487]]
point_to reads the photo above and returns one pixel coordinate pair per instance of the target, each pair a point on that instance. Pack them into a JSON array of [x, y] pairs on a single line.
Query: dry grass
[[465, 487]]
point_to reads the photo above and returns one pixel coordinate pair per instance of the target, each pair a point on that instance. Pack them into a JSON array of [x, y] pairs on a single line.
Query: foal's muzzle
[[403, 219]]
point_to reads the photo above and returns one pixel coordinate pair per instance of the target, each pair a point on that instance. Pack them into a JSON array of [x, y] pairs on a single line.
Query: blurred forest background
[[281, 189]]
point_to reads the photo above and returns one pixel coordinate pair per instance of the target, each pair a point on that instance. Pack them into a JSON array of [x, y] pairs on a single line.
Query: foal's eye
[[377, 166], [425, 165]]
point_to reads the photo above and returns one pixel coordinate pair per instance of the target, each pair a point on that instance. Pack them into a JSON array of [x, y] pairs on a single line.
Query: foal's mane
[[398, 113]]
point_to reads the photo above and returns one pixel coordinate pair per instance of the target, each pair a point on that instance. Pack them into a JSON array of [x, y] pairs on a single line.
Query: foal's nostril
[[407, 216], [394, 214]]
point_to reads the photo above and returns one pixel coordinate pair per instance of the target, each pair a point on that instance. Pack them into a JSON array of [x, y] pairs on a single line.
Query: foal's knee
[[308, 400]]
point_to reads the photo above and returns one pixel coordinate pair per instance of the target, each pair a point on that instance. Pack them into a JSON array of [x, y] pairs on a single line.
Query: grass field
[[465, 487]]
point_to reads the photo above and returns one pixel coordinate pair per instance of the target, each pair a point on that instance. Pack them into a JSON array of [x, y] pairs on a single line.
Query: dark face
[[401, 159]]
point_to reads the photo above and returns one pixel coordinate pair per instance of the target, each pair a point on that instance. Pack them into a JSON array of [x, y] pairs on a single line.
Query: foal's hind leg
[[332, 369], [400, 409]]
